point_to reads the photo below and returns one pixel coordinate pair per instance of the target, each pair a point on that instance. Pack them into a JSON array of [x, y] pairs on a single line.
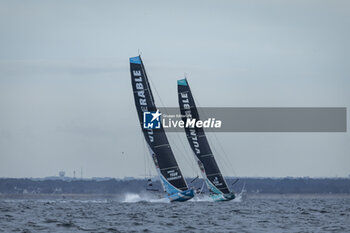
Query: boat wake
[[239, 197], [201, 198], [145, 197], [135, 197]]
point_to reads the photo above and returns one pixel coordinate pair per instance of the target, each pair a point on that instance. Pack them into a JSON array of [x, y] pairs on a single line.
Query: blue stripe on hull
[[218, 195], [182, 196], [170, 189], [175, 194], [223, 197]]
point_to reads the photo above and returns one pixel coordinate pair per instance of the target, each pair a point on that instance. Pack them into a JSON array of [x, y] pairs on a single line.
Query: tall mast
[[158, 144], [199, 143]]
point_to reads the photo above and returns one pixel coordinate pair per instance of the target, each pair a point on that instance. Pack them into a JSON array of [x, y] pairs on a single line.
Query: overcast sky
[[66, 101]]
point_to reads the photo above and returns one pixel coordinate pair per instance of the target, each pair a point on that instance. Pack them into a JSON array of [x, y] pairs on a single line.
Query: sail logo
[[151, 120], [216, 181], [141, 97], [173, 175]]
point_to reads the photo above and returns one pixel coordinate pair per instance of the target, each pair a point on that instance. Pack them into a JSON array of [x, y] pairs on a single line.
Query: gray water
[[132, 213]]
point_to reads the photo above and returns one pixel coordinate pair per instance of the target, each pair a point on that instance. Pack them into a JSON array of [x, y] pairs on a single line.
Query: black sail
[[163, 157], [198, 141]]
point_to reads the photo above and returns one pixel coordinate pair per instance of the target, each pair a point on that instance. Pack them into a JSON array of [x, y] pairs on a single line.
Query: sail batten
[[199, 143]]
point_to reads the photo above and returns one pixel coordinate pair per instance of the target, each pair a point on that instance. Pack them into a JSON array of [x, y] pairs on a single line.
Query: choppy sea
[[137, 213]]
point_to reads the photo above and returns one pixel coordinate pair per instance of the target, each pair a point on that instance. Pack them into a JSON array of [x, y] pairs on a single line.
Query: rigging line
[[220, 145], [147, 162], [188, 163], [226, 157], [225, 154], [144, 157], [194, 167], [227, 164], [202, 187], [187, 150]]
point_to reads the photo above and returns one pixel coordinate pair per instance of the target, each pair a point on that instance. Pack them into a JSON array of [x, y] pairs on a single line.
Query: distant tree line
[[293, 185], [118, 186]]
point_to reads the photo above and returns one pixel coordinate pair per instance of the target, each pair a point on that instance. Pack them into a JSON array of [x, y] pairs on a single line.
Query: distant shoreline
[[118, 197], [110, 187]]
